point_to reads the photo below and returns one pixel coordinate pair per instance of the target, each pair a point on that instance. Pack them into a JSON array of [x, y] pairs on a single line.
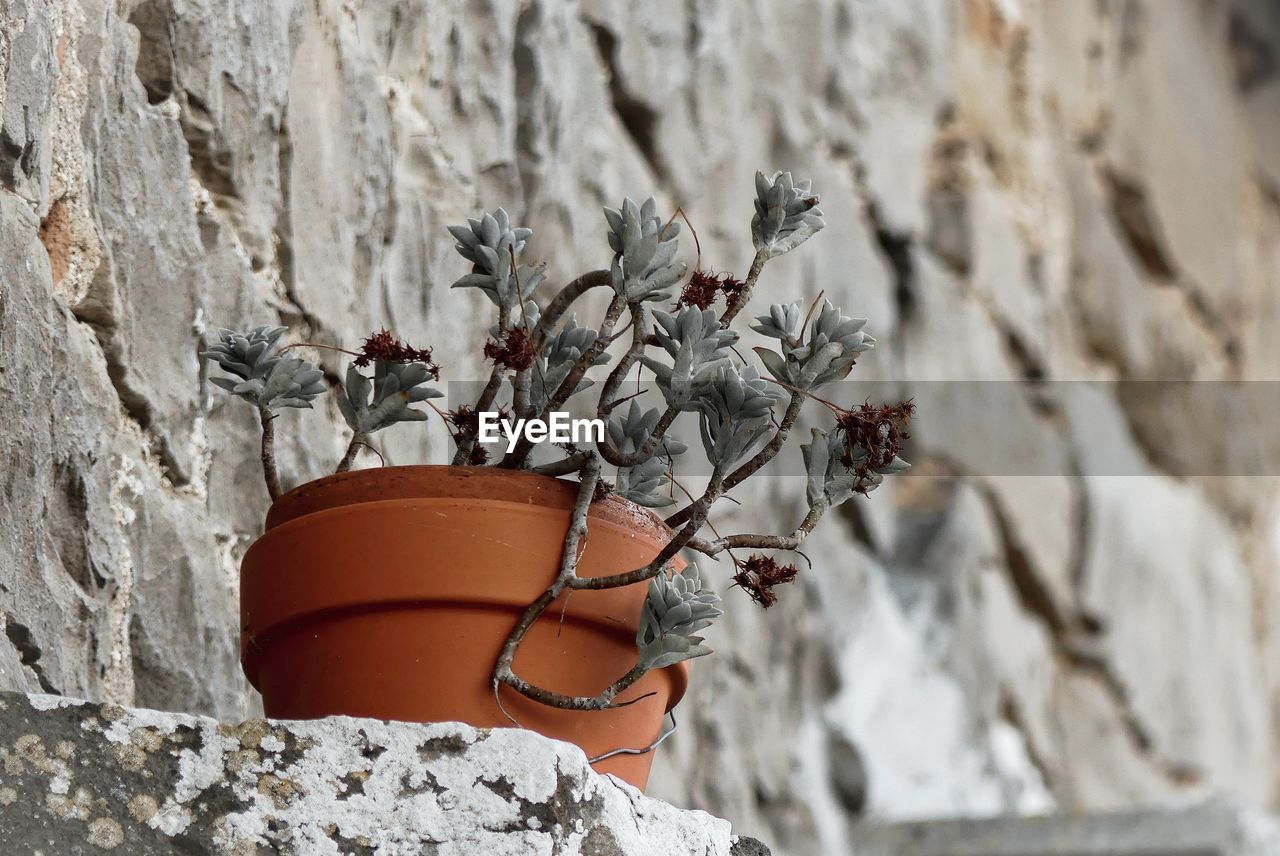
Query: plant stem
[[764, 456], [567, 578], [569, 553], [566, 298], [619, 373], [731, 312], [546, 323], [483, 403], [353, 449], [715, 488], [571, 464], [639, 337], [269, 453], [761, 542], [518, 455]]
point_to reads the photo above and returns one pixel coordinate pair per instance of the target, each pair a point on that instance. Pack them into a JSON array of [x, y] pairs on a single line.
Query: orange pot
[[388, 593]]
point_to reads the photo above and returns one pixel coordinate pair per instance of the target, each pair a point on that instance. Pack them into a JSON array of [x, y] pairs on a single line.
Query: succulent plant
[[489, 242], [834, 342], [786, 214], [245, 355], [647, 483], [644, 265], [677, 607], [540, 356], [260, 375], [736, 410], [561, 353], [394, 387], [697, 345]]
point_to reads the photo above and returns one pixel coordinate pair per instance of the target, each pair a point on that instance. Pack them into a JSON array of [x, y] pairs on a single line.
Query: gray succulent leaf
[[644, 265], [371, 404], [675, 608], [697, 345], [560, 353], [834, 342], [735, 408], [246, 355], [629, 433], [489, 243], [782, 322], [786, 214]]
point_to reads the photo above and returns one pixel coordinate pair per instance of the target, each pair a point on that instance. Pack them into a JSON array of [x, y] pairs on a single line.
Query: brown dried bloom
[[759, 574], [602, 491], [879, 431], [516, 351], [703, 287], [466, 423], [383, 346]]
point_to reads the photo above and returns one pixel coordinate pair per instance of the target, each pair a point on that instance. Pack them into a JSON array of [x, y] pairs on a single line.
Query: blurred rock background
[[1039, 191]]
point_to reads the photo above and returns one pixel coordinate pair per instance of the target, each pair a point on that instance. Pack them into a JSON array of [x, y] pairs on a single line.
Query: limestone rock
[[83, 778]]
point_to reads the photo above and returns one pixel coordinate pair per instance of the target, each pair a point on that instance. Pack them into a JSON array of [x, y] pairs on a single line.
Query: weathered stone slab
[[1216, 827], [77, 777]]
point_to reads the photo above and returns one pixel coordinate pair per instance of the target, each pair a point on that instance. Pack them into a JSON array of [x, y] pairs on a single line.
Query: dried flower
[[387, 348], [704, 286], [465, 421], [515, 351], [602, 491], [759, 574], [873, 437]]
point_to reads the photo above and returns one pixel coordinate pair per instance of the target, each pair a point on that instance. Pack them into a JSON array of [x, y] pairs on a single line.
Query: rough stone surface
[[1070, 603], [1211, 828], [83, 778]]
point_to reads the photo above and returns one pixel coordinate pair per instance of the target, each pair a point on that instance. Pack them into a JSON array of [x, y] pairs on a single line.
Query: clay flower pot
[[388, 593]]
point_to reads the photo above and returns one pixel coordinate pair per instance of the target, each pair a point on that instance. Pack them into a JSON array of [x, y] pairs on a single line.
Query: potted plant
[[502, 591]]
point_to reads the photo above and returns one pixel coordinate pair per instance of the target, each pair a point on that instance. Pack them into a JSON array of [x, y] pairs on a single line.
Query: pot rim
[[446, 481]]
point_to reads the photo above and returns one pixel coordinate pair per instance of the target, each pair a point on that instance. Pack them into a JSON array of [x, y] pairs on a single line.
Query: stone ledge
[[81, 778], [1214, 827]]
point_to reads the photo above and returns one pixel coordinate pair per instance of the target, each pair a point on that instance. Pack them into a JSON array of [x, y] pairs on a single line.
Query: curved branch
[[761, 542], [566, 298], [715, 489], [569, 555], [567, 578], [572, 464], [764, 456], [619, 373]]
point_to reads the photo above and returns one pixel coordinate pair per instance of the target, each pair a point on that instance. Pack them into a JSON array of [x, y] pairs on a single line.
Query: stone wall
[[1024, 191]]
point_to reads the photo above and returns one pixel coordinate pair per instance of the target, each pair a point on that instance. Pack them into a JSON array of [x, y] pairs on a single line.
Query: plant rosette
[[501, 590]]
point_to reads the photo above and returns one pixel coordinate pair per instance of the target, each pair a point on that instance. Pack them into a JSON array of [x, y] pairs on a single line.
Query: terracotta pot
[[388, 593]]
